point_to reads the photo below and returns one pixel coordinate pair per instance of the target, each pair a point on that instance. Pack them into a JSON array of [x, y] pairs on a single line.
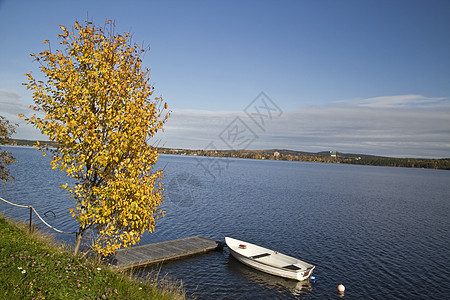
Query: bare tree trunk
[[78, 240], [80, 233]]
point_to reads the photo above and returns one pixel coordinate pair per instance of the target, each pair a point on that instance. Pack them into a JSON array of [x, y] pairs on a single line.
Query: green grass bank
[[33, 266]]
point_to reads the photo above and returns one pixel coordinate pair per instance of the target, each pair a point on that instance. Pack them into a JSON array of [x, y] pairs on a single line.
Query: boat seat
[[292, 267], [260, 255]]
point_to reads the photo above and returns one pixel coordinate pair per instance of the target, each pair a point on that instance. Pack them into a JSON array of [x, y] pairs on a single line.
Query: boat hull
[[267, 265]]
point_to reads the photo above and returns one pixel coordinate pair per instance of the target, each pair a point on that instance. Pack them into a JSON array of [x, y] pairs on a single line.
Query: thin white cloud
[[417, 132], [11, 105], [398, 127], [402, 126], [195, 129], [402, 100]]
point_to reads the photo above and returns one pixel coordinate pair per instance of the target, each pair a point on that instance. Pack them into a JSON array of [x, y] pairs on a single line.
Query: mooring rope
[[29, 206], [18, 205]]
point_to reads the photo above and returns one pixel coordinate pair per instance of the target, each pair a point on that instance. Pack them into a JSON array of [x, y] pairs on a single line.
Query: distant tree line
[[30, 143], [402, 162], [323, 157], [290, 155]]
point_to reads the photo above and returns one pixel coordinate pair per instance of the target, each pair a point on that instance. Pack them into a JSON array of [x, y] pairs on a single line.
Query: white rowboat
[[269, 261]]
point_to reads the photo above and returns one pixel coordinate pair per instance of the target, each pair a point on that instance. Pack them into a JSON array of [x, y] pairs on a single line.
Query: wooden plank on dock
[[159, 252]]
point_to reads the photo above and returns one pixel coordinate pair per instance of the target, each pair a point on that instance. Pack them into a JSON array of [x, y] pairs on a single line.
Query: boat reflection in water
[[279, 284]]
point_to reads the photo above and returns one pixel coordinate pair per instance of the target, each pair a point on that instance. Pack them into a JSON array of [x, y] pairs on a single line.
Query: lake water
[[382, 232]]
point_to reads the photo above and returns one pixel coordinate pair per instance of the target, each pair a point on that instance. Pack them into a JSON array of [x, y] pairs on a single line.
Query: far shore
[[292, 155]]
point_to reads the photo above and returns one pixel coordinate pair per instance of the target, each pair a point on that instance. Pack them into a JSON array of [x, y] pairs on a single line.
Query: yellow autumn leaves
[[98, 106]]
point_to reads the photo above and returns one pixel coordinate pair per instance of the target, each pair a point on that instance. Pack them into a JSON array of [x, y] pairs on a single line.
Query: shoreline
[[291, 155]]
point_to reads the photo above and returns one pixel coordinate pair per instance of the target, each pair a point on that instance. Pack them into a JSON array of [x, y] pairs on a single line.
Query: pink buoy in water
[[341, 288]]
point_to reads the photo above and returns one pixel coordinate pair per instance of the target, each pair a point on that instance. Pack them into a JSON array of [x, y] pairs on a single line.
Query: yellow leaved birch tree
[[98, 107], [6, 131]]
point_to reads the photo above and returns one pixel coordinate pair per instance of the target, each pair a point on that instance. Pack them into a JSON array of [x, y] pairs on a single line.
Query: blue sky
[[353, 76]]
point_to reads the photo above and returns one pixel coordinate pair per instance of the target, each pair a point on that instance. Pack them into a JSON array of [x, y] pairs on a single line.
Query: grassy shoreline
[[33, 266]]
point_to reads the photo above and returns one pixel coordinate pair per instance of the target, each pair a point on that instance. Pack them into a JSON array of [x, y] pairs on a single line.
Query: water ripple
[[383, 232]]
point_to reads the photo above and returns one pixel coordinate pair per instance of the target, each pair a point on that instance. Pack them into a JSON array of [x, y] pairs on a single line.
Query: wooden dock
[[160, 252]]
